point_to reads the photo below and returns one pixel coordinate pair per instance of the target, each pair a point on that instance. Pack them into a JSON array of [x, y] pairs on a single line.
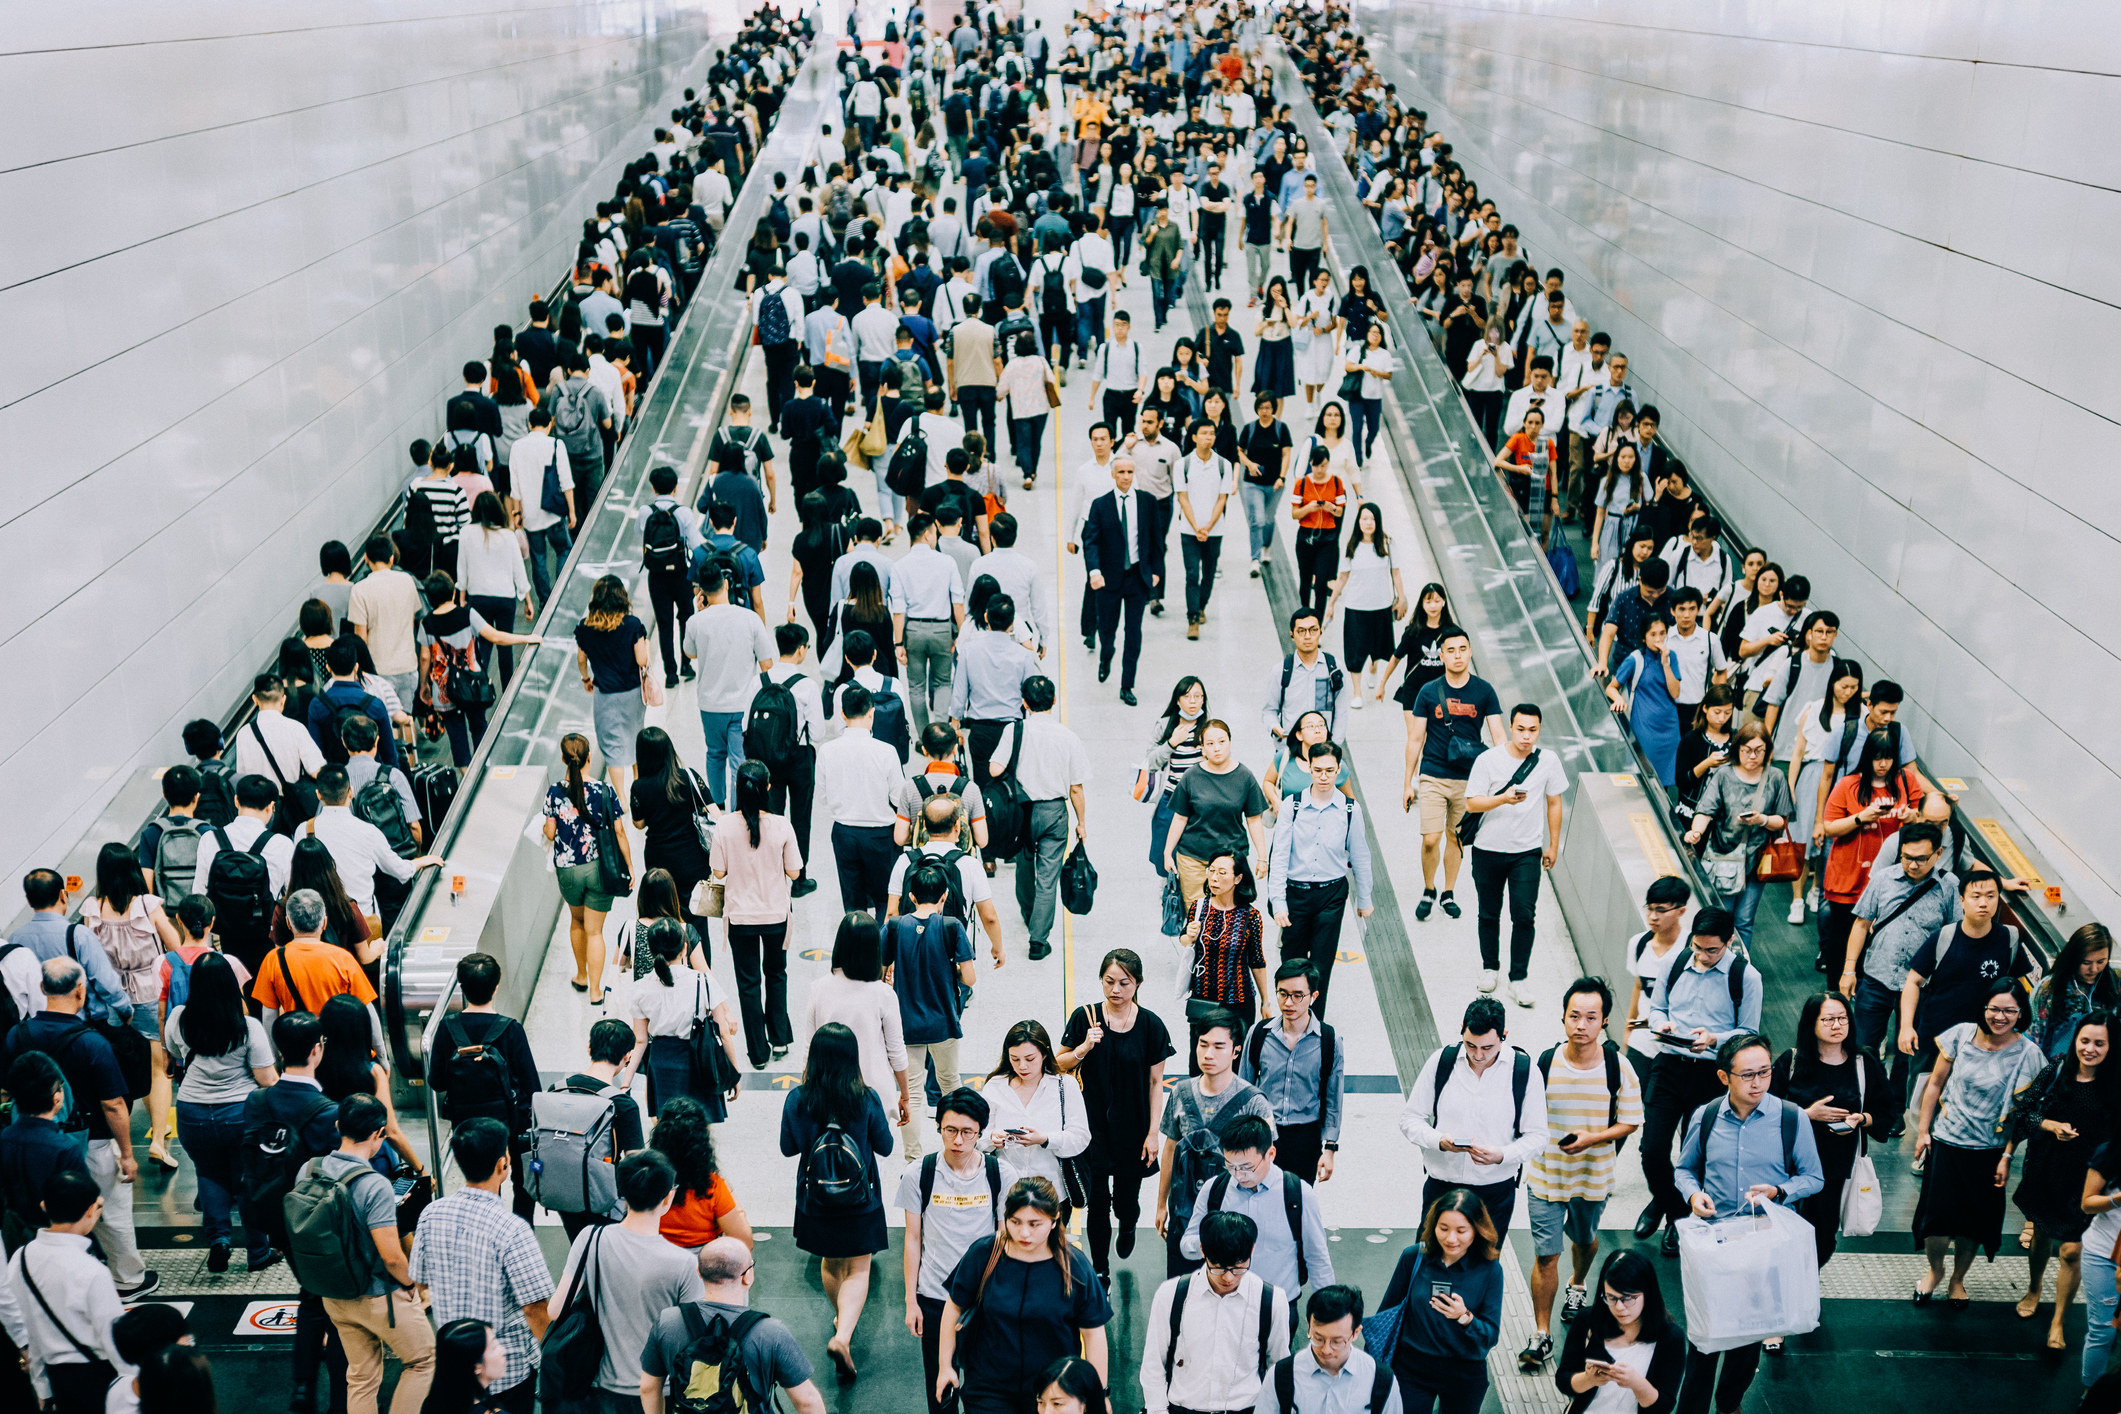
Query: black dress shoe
[[1646, 1225], [1669, 1244], [670, 680], [1104, 670], [1126, 695], [802, 888], [1041, 951], [1123, 1245]]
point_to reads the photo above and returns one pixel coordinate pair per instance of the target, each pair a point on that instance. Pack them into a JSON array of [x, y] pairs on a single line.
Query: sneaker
[[1572, 1303], [217, 1257], [1811, 899], [802, 888], [1523, 998], [1451, 908], [1123, 1244], [670, 680], [1063, 371], [1358, 702], [272, 1258], [1796, 910], [1255, 568], [1535, 1352], [1427, 906], [1489, 979], [1041, 951], [145, 1289], [1193, 628]]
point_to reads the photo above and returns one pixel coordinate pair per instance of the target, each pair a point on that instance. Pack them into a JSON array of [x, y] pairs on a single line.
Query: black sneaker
[[1426, 907], [1123, 1244], [689, 673], [670, 680], [1041, 951], [802, 888], [145, 1289], [1449, 905], [272, 1258], [217, 1257], [1572, 1303], [1669, 1243], [1535, 1352]]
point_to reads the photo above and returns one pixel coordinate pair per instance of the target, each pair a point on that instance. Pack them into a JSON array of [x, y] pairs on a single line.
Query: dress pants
[[1166, 507], [1315, 914], [975, 408], [1495, 870], [671, 594], [1317, 562], [759, 952], [1500, 1199], [114, 1232], [931, 1326], [1038, 867], [1678, 1086], [1119, 411], [871, 373], [1302, 262], [780, 378], [930, 646], [1211, 255], [1112, 1190], [1297, 1147], [1115, 602], [1259, 263], [792, 793], [863, 854], [1728, 1385]]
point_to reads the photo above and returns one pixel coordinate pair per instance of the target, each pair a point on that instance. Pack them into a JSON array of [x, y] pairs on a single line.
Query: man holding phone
[[1708, 996], [1516, 789], [1477, 1112]]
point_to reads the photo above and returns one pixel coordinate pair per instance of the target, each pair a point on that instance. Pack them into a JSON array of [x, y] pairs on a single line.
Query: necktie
[[1126, 531]]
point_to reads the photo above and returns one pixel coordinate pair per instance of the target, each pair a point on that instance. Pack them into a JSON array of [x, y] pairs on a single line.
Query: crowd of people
[[948, 261]]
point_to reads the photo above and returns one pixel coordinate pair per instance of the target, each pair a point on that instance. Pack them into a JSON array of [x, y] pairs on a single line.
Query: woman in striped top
[[1227, 935], [1177, 751], [447, 507]]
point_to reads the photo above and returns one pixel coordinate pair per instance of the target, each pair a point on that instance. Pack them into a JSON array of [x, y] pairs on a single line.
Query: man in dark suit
[[1125, 557]]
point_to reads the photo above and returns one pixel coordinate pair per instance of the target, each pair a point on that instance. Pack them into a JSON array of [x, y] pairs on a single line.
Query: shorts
[[580, 887], [1555, 1224], [1443, 804], [145, 1022]]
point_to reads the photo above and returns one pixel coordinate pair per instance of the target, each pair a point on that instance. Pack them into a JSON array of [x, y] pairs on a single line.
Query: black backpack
[[1006, 278], [711, 1376], [239, 885], [994, 1182], [1200, 1151], [1285, 1386], [273, 1153], [1520, 1081], [773, 731], [1053, 290], [836, 1172], [217, 792], [480, 1085], [908, 473], [1612, 1084], [662, 540], [1008, 808], [378, 804], [955, 904]]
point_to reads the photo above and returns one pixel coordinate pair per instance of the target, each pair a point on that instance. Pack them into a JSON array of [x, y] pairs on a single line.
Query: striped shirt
[[452, 512], [1579, 1103]]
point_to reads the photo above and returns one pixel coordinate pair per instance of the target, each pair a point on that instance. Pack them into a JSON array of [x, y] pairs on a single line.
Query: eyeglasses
[[1289, 996], [1661, 908], [1761, 1074], [1331, 1342], [959, 1131], [1906, 858], [2009, 1011], [1621, 1298], [1233, 1270]]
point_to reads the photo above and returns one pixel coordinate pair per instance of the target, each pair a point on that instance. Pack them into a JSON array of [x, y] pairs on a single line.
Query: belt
[[923, 619], [1315, 883]]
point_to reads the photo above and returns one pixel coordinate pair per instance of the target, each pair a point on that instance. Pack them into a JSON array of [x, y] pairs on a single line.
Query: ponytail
[[666, 941], [574, 751]]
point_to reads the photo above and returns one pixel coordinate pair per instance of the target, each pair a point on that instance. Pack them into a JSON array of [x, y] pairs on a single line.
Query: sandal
[[2028, 1306]]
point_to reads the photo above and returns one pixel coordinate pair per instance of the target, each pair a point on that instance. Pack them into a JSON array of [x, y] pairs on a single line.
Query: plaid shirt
[[479, 1260]]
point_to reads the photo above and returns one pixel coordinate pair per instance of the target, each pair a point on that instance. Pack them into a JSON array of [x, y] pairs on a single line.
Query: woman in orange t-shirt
[[1317, 503], [703, 1208], [1516, 460], [1865, 809]]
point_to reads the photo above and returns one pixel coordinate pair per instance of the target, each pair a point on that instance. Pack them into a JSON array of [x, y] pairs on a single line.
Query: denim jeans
[[725, 750], [1027, 436], [1259, 503], [888, 503], [1743, 905], [1199, 557], [2098, 1269], [213, 1136], [1365, 416], [552, 540], [1089, 324]]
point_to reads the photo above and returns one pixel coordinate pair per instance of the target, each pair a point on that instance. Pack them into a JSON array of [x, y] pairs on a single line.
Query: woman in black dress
[[1848, 1106], [666, 800], [835, 1097], [1420, 646], [1117, 1051], [820, 542], [2066, 1114]]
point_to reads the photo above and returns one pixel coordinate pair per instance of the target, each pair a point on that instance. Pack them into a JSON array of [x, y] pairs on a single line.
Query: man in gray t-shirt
[[1196, 1103], [1307, 236], [635, 1272], [731, 647], [772, 1359], [387, 1317]]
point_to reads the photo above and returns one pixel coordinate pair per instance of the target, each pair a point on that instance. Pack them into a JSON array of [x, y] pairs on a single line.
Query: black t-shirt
[[1264, 446], [1259, 216], [84, 1058], [1211, 222], [625, 1114], [956, 109], [1422, 649], [1460, 336], [1115, 1078], [1219, 349], [1028, 1319], [971, 505], [610, 653], [1453, 714], [672, 843], [1959, 985]]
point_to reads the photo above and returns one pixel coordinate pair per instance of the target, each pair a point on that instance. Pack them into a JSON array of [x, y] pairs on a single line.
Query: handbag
[[702, 821], [573, 1349], [874, 439], [1174, 921], [651, 688], [1862, 1203], [1072, 1186], [1148, 784], [1078, 881], [1351, 387], [1053, 398], [708, 897], [1727, 871], [1781, 862], [1199, 1008], [613, 875], [1381, 1331], [712, 1071]]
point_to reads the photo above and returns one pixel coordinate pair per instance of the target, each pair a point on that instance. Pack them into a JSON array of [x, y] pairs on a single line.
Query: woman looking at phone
[[1622, 1354], [1743, 806], [1448, 1287], [1705, 747]]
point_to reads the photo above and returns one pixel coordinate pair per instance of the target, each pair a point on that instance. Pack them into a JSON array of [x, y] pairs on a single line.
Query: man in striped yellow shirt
[[1593, 1104]]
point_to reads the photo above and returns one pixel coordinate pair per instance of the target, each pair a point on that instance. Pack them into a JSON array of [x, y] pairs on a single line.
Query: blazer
[[1103, 549], [1667, 1366]]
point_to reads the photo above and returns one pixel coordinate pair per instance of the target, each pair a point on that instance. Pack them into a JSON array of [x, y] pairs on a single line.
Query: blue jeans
[[1159, 831], [725, 750], [1027, 436], [1259, 504], [1365, 416], [1743, 905], [889, 506], [1089, 323], [552, 540], [2098, 1270], [213, 1136], [1163, 294]]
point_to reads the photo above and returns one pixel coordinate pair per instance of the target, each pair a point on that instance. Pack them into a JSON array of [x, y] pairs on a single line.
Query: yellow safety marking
[[434, 935], [1347, 957], [2008, 848], [1652, 842]]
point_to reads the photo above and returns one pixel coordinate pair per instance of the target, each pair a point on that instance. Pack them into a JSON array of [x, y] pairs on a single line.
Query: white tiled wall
[[1864, 259], [248, 247]]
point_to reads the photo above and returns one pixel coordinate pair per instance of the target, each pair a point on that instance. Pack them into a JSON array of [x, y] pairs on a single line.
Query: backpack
[[10, 1012], [1006, 278], [1292, 1206], [1612, 1084], [177, 857], [1178, 1316], [908, 473], [662, 541], [328, 1243], [773, 319], [1053, 290], [570, 1160], [1520, 1081], [239, 885], [378, 804], [1335, 679], [1256, 1046], [733, 452], [272, 1156], [890, 725], [1715, 1107], [1684, 957], [1200, 1152], [994, 1181], [835, 1172], [217, 791], [570, 411], [777, 214], [1008, 809], [1285, 1386], [480, 1084], [955, 904], [710, 1377], [773, 730]]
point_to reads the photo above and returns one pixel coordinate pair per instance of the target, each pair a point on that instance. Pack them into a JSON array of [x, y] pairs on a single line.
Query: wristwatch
[[1332, 1146]]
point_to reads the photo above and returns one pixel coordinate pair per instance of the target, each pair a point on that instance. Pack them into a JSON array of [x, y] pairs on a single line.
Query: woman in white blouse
[[1822, 728], [1331, 432], [492, 573], [664, 1006], [1036, 1114], [858, 998]]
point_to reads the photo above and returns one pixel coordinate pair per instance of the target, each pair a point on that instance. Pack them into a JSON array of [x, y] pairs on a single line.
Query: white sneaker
[[1523, 998], [1796, 910], [1811, 900], [1488, 978], [1357, 704]]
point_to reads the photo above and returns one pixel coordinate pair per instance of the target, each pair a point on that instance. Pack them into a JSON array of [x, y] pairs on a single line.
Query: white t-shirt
[[1202, 482], [1767, 619], [1369, 579], [670, 1011], [1618, 1399], [1696, 655], [1813, 679], [1513, 829]]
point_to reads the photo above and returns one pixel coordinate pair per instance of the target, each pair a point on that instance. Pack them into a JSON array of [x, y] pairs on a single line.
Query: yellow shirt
[[1579, 1103]]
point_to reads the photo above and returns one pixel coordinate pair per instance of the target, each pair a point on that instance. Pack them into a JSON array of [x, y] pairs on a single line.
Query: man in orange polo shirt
[[306, 972]]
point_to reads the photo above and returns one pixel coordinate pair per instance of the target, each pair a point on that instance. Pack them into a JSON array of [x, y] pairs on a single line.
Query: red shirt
[[1329, 489], [1519, 449], [1848, 865]]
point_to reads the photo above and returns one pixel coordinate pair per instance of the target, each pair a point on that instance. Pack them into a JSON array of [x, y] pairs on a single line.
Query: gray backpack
[[177, 858], [572, 1162]]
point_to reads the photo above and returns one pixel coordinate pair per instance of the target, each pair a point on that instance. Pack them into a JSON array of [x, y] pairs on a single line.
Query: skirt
[[842, 1234], [1807, 803], [2051, 1190], [1960, 1198], [618, 717], [669, 1071], [1366, 635], [1276, 374]]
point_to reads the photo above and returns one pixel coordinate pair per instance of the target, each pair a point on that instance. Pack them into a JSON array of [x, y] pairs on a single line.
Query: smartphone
[[1844, 1127], [1567, 1140], [1440, 1290]]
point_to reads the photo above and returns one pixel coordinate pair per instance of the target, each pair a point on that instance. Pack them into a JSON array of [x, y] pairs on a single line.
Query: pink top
[[756, 886]]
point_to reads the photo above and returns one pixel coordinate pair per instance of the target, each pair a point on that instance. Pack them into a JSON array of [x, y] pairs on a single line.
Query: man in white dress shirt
[[796, 787], [273, 744], [1018, 577], [855, 774], [1477, 1112], [64, 1325], [1229, 1329], [358, 848], [927, 598]]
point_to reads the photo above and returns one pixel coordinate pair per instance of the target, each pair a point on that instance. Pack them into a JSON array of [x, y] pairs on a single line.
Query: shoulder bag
[[613, 875], [1862, 1204], [1470, 822], [1727, 870], [712, 1071]]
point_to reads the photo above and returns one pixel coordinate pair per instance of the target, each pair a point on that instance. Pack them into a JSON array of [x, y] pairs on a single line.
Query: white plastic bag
[[1747, 1278], [1862, 1205]]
